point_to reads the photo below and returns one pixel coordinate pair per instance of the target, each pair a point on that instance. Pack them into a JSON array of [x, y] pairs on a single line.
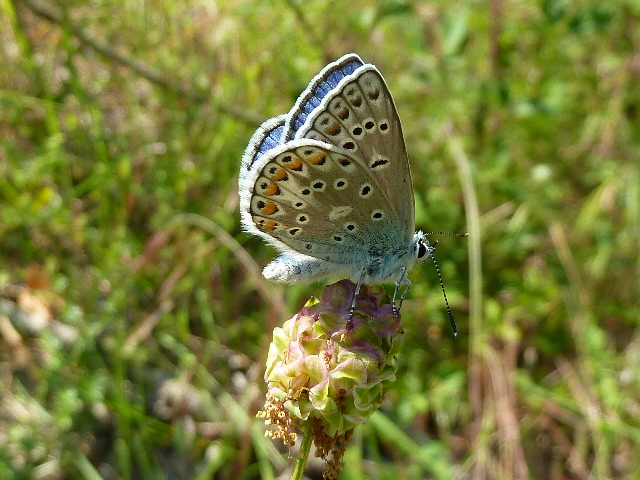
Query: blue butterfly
[[329, 184]]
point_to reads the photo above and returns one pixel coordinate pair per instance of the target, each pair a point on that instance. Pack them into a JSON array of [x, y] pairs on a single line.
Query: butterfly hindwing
[[319, 200]]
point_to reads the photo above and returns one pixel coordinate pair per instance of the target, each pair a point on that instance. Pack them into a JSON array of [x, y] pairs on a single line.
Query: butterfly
[[329, 184]]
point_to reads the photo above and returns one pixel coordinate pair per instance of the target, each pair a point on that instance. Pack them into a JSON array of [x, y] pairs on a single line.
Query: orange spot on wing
[[270, 208], [281, 174], [295, 164], [270, 226], [333, 129], [272, 189], [318, 159]]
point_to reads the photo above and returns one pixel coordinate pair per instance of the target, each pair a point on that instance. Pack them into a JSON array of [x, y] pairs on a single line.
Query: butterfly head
[[422, 249]]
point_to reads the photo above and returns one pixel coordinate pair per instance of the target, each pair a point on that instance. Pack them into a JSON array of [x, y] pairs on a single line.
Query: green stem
[[303, 455]]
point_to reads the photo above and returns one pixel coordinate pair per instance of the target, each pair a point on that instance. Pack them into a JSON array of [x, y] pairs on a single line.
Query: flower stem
[[303, 455]]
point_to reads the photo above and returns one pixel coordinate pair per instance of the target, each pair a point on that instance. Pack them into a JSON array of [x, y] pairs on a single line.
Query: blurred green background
[[134, 321]]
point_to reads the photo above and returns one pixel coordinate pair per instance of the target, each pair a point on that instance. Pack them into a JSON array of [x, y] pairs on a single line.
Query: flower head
[[329, 369]]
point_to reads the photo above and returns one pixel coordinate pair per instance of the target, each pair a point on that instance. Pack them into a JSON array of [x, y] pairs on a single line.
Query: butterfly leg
[[406, 290], [355, 295], [401, 279]]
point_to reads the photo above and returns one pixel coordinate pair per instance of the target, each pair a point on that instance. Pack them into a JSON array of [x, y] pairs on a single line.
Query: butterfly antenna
[[446, 300], [458, 235]]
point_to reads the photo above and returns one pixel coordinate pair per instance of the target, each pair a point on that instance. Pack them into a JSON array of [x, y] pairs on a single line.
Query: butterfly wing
[[321, 85], [330, 199], [267, 137], [319, 200], [360, 116]]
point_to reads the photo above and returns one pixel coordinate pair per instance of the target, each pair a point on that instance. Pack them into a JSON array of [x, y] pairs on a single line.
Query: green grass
[[122, 125]]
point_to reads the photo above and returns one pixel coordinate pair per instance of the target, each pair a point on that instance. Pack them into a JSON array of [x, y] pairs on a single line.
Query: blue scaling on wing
[[272, 136], [268, 136], [318, 89]]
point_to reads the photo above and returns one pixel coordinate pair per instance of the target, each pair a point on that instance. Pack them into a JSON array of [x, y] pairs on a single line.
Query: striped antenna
[[446, 300]]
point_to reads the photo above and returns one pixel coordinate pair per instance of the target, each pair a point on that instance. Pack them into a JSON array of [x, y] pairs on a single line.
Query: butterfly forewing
[[360, 116], [320, 200]]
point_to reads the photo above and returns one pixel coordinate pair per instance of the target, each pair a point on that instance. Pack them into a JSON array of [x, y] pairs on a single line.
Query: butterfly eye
[[422, 249]]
